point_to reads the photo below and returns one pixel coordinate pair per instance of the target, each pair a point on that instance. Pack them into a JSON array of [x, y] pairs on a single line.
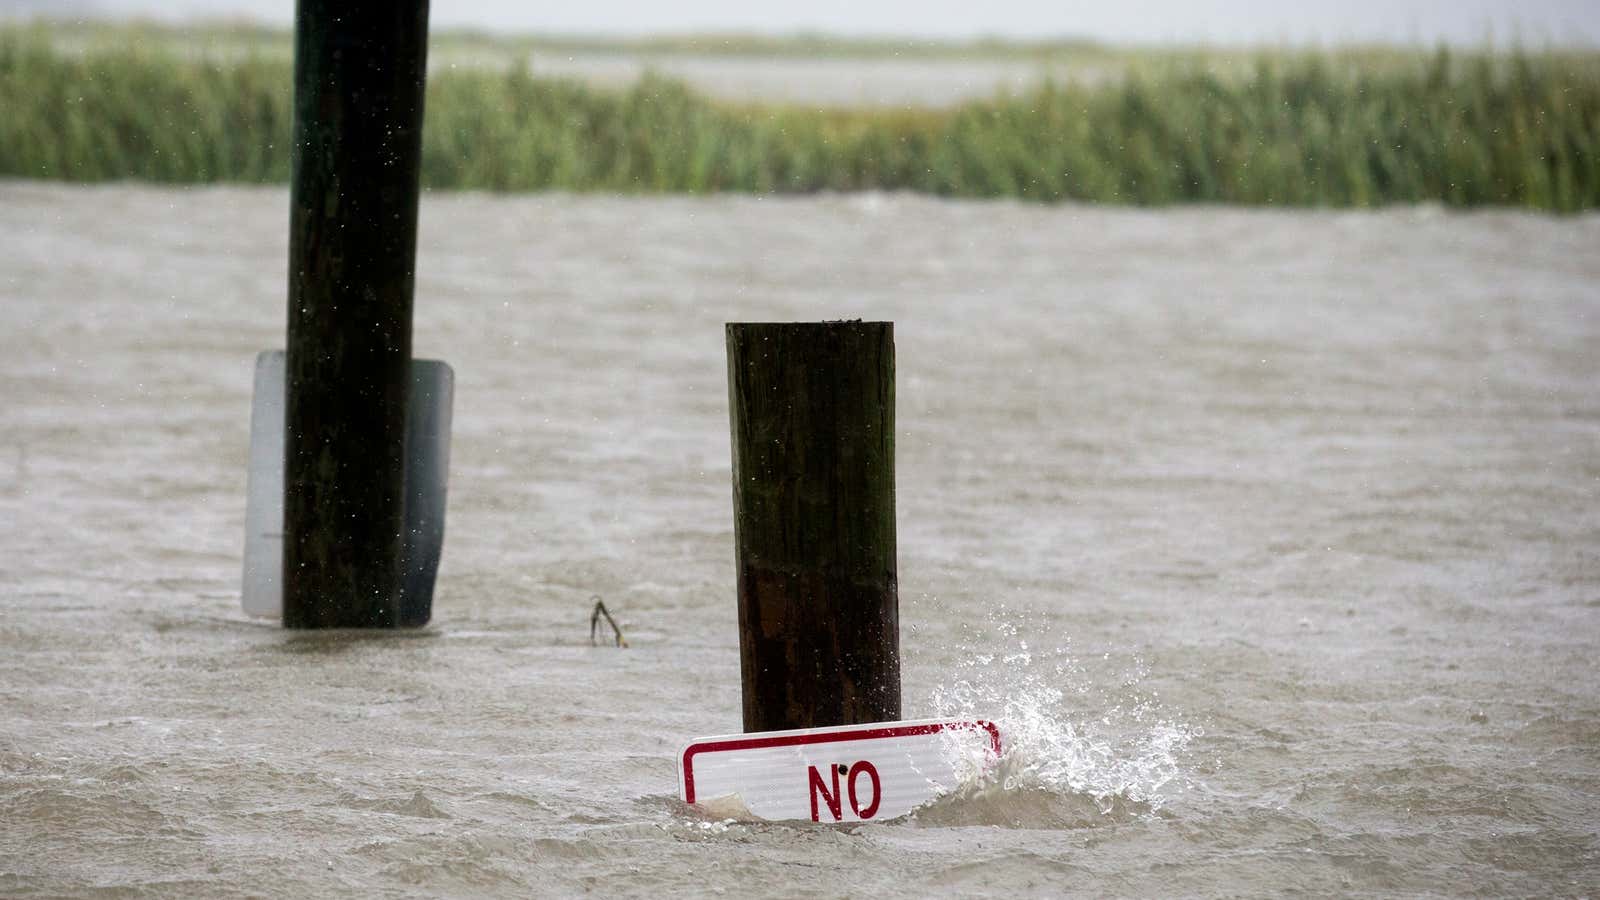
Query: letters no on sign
[[854, 773]]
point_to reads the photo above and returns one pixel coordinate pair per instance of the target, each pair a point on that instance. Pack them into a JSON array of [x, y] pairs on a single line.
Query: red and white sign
[[852, 773]]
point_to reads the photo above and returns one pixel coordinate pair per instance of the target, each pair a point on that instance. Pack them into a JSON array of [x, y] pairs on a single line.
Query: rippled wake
[[1060, 766]]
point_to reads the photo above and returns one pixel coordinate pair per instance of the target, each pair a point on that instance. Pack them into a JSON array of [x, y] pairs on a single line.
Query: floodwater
[[1271, 540]]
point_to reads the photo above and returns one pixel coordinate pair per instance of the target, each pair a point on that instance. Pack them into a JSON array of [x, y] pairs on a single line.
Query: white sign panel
[[852, 773], [427, 469]]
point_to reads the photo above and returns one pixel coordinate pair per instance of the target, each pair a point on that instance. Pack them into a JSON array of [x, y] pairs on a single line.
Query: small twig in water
[[594, 622]]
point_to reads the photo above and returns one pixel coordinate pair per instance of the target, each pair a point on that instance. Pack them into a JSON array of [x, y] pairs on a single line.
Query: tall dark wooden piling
[[359, 73], [812, 409]]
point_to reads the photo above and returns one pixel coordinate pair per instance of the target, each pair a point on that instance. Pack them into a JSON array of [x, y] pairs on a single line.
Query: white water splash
[[1066, 728]]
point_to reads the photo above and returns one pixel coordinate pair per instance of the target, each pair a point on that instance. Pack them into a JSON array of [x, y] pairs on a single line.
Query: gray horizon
[[1467, 22]]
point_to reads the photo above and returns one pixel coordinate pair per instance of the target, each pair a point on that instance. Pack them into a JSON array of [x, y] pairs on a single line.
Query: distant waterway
[[857, 82]]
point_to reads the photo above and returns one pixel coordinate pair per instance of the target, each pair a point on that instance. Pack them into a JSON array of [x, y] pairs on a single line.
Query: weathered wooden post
[[812, 410], [359, 74]]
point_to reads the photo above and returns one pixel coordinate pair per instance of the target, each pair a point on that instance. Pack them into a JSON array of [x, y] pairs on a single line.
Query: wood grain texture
[[359, 74], [812, 414]]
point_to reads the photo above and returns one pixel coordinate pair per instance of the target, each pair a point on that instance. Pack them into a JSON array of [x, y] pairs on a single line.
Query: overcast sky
[[1219, 21]]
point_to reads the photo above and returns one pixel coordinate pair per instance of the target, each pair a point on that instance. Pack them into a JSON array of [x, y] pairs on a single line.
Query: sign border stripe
[[866, 734]]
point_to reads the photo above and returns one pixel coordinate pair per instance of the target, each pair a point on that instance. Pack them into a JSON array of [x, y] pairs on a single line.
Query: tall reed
[[1302, 129]]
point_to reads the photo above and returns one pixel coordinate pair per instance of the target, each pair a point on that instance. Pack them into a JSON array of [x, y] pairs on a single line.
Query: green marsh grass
[[1300, 128]]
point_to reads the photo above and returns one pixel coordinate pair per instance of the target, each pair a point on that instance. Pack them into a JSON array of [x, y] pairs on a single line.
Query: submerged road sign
[[852, 773], [427, 469]]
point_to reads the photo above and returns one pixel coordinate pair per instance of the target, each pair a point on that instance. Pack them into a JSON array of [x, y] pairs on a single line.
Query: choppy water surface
[[1270, 538]]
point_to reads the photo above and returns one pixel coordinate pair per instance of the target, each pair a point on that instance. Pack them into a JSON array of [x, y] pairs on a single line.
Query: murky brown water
[[1271, 539]]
